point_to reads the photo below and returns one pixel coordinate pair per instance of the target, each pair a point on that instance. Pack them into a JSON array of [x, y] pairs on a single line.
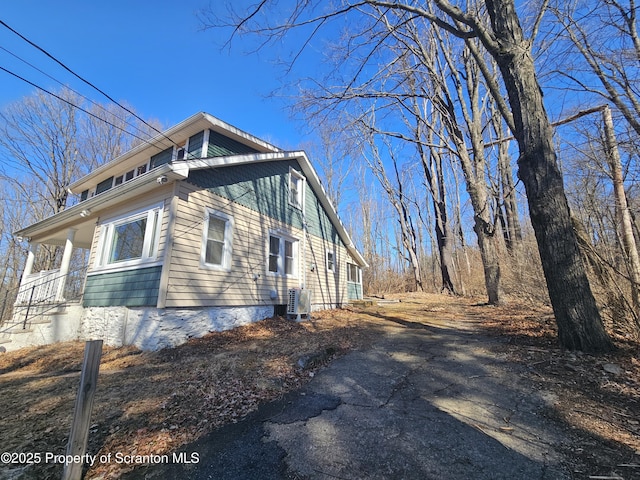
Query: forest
[[487, 150]]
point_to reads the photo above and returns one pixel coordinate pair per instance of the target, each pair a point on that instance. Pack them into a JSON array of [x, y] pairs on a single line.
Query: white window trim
[[227, 249], [151, 240], [331, 268], [301, 194], [296, 254], [358, 273]]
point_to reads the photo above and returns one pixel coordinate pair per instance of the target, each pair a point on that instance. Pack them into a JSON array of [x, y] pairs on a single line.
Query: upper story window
[[130, 239], [217, 240], [194, 147], [296, 189]]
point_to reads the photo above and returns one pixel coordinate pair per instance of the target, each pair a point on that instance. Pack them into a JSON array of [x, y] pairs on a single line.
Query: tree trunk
[[512, 229], [433, 171], [579, 324], [622, 209]]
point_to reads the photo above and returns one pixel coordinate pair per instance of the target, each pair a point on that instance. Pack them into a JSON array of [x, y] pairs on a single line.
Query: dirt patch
[[596, 397], [156, 402]]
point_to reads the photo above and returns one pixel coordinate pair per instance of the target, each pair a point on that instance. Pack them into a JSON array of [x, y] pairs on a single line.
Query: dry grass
[[155, 402]]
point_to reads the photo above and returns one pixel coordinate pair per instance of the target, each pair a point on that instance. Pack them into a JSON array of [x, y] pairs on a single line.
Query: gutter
[[104, 200]]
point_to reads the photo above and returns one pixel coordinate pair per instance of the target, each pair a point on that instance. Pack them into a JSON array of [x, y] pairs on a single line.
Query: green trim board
[[354, 291], [131, 288], [263, 187]]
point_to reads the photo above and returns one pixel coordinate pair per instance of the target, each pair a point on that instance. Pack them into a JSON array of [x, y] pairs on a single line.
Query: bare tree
[[46, 143], [393, 188], [604, 33], [579, 323]]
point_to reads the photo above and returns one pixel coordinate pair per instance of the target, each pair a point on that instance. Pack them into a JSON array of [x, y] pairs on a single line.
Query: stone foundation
[[153, 329], [145, 327]]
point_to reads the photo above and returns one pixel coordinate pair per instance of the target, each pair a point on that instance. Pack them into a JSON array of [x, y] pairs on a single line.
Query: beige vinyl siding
[[247, 282], [329, 289]]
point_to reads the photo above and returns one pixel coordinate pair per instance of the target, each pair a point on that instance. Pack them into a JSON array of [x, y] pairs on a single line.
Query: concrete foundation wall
[[145, 327], [153, 329], [62, 327]]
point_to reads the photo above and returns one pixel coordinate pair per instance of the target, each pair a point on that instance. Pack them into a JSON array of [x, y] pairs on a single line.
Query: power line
[[84, 80], [75, 91], [76, 106]]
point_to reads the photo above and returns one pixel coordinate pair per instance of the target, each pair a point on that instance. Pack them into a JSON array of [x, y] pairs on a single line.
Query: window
[[130, 240], [161, 158], [283, 254], [217, 240], [104, 185], [331, 262], [296, 189], [127, 241], [354, 273]]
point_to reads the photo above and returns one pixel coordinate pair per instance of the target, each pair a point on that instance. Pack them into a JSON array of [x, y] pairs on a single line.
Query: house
[[203, 228]]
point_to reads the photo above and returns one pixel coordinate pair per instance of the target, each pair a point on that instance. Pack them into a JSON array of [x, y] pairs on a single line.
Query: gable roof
[[177, 170], [174, 136]]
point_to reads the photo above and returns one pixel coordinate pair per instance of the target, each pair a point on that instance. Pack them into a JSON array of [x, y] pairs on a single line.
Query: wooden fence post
[[79, 435]]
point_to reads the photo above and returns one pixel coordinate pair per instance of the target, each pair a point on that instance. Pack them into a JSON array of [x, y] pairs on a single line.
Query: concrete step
[[19, 330], [39, 320]]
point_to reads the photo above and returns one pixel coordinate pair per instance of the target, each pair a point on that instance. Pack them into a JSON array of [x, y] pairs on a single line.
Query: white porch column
[[66, 261], [31, 258]]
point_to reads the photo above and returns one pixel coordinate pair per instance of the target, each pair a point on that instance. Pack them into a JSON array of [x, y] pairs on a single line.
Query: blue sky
[[153, 55]]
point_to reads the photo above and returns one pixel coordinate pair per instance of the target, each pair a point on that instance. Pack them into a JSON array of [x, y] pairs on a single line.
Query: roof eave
[[98, 203], [162, 141]]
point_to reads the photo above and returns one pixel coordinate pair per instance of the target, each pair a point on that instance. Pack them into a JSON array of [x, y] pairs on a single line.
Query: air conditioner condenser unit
[[299, 304]]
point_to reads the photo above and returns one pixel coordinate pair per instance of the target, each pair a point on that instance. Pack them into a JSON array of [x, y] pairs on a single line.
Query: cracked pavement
[[428, 401]]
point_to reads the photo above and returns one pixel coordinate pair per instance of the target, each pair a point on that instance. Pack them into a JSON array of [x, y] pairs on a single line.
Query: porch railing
[[40, 287], [46, 288]]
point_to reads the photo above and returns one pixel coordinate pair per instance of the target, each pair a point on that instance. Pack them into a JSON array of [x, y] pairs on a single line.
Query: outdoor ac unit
[[299, 303]]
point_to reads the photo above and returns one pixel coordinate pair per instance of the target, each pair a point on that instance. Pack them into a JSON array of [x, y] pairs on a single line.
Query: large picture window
[[217, 240], [283, 255], [130, 240]]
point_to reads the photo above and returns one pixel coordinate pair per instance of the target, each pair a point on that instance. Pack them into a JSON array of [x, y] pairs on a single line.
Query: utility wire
[[100, 106], [76, 106], [84, 80]]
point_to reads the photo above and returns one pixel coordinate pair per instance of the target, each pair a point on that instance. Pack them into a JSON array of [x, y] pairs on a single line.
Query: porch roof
[[82, 217]]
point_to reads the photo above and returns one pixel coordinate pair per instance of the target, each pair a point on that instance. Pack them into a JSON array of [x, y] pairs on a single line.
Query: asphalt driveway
[[427, 401]]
